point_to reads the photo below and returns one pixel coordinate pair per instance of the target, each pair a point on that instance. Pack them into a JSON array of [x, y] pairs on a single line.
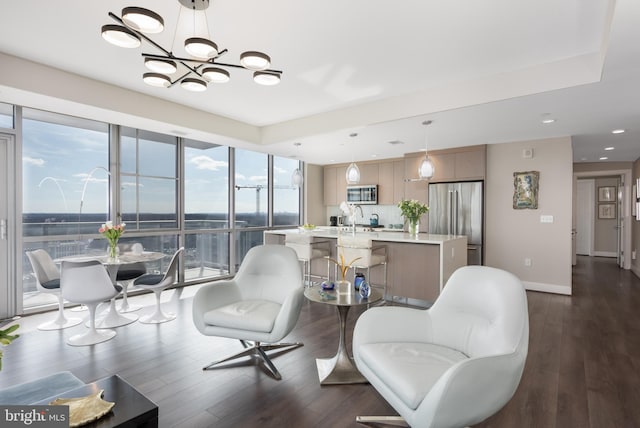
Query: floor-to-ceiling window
[[65, 187], [251, 199], [206, 209], [214, 200]]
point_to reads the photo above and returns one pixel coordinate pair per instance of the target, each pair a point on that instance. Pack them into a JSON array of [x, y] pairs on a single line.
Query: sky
[[65, 170]]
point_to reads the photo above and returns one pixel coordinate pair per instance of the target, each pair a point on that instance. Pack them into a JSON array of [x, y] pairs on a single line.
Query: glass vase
[[414, 227], [343, 287], [113, 249]]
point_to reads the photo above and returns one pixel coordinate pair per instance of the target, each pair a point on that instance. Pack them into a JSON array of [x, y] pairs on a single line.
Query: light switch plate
[[546, 219]]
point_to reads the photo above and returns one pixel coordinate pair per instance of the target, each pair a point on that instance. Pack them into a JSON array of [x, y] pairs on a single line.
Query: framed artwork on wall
[[525, 190], [606, 211], [606, 194]]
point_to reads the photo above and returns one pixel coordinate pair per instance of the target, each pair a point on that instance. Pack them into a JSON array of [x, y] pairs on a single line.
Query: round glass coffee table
[[340, 368]]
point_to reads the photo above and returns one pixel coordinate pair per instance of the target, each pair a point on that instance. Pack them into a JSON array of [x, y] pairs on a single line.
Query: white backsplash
[[389, 214]]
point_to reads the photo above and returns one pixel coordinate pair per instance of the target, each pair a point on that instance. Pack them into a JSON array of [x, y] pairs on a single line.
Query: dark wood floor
[[583, 367]]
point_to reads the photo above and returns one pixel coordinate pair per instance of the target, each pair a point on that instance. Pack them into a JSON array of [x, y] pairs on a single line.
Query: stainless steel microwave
[[362, 195]]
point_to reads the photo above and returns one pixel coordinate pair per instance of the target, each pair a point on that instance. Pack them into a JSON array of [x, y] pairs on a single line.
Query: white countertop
[[335, 232]]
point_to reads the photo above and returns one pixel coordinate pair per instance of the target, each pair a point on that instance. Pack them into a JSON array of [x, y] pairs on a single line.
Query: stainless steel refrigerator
[[457, 209]]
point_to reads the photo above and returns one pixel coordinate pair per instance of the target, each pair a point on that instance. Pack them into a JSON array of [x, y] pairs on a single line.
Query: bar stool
[[308, 249], [367, 255]]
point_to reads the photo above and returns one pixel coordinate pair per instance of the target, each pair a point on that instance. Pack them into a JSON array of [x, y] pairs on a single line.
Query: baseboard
[[605, 254], [547, 288], [636, 270]]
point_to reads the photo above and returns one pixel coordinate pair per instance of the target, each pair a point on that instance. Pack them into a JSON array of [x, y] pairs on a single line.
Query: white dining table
[[114, 318]]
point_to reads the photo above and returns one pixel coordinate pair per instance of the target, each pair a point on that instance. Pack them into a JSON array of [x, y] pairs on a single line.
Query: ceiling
[[484, 72]]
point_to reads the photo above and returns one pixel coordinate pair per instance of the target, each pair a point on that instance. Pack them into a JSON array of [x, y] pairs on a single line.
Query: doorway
[[611, 223]]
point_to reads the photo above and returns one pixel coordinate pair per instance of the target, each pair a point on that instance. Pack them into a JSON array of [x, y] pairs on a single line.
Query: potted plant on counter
[[412, 210]]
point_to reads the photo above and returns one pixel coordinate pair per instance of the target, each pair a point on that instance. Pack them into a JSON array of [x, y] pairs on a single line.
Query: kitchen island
[[417, 267]]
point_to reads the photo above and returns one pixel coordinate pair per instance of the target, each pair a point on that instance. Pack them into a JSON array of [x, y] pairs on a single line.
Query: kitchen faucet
[[355, 211]]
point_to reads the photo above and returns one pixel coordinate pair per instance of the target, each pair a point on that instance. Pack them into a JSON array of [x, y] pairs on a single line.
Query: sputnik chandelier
[[203, 68]]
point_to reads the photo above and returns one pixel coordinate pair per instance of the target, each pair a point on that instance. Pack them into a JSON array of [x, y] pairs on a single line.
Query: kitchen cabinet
[[444, 165], [459, 164], [390, 182], [335, 184], [369, 173], [330, 185]]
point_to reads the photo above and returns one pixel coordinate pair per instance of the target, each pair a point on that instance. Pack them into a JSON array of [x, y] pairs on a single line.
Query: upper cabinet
[[369, 173], [335, 184], [464, 163], [459, 164], [396, 177], [390, 182]]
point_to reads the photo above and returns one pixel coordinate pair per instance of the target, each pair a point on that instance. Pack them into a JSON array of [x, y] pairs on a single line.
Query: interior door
[[585, 216]]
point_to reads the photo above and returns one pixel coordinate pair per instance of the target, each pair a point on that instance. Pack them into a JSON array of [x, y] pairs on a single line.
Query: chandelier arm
[[147, 39], [200, 62]]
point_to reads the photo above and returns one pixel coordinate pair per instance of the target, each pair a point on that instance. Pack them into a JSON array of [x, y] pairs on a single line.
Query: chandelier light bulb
[[266, 78], [164, 66], [200, 48], [143, 20], [156, 79], [215, 75], [120, 36], [193, 84], [256, 61]]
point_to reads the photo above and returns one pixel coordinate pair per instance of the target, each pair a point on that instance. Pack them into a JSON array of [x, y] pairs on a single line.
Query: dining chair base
[[125, 307], [257, 351], [157, 317], [113, 318], [58, 324], [91, 337]]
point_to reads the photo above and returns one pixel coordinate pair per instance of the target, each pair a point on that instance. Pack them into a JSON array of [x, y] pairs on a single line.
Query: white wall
[[515, 235]]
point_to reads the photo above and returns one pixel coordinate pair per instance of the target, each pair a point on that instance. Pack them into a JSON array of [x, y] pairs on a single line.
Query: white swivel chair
[[158, 283], [367, 255], [48, 281], [307, 250], [261, 304], [87, 283], [452, 365]]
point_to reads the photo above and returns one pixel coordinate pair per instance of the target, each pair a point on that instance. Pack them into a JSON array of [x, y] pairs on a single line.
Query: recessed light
[[546, 121], [609, 148], [604, 158], [617, 131], [374, 156]]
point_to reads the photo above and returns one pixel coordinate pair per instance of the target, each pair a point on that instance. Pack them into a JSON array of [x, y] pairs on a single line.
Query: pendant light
[[353, 172], [426, 169], [297, 178]]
